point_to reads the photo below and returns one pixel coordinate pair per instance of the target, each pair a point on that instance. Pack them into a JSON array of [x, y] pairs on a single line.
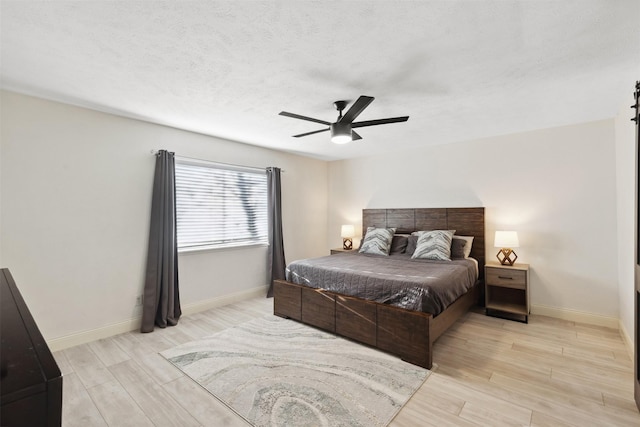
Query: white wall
[[75, 194], [555, 187], [625, 185], [74, 220]]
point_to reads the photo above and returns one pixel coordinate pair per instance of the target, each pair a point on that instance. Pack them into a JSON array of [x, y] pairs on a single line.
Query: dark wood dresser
[[30, 380]]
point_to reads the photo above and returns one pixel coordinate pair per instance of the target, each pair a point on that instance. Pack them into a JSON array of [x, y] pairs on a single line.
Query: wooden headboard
[[466, 222]]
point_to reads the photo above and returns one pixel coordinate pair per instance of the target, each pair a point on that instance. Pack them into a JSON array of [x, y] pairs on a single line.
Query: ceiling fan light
[[341, 133], [340, 139]]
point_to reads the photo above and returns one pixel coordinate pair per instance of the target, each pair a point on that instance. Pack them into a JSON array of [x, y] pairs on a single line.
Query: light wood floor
[[490, 372]]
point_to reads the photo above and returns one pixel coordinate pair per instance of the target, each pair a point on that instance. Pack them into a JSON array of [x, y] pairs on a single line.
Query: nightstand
[[507, 290], [340, 250]]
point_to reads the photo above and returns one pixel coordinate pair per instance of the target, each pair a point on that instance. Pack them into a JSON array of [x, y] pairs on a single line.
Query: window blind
[[220, 206]]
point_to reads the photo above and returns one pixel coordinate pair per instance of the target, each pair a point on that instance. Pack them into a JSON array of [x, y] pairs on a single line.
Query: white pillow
[[421, 232], [377, 241], [434, 245]]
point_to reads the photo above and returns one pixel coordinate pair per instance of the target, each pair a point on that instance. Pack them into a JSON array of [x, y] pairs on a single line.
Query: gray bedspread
[[419, 285]]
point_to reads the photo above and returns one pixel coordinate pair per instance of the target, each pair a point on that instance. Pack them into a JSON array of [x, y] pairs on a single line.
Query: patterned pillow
[[377, 241], [434, 245]]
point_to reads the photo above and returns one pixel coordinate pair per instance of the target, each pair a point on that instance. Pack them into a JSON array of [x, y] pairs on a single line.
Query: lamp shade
[[506, 239], [347, 231]]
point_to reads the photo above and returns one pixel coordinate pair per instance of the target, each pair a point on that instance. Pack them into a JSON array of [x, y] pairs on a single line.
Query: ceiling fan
[[342, 130]]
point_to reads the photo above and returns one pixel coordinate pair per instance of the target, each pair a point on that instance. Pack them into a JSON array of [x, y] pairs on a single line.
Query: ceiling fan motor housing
[[341, 132]]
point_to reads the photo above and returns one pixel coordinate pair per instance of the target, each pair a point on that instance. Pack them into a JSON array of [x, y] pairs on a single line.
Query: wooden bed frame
[[405, 333]]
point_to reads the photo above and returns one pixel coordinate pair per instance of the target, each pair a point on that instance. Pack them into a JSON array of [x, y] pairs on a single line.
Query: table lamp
[[506, 241], [348, 231]]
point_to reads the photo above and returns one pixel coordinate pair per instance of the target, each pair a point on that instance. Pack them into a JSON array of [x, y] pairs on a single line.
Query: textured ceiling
[[460, 69]]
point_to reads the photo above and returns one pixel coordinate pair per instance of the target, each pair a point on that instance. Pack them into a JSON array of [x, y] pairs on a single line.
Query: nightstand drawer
[[508, 278]]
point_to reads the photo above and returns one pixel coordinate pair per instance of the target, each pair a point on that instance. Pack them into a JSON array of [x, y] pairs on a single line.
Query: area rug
[[277, 372]]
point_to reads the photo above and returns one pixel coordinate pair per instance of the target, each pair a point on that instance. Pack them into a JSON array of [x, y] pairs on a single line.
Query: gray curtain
[[161, 297], [275, 261]]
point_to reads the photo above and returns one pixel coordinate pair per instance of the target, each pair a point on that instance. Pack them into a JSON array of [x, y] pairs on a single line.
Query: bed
[[407, 330]]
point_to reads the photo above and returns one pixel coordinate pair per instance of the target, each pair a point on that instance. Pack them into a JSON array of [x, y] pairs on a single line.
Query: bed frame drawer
[[319, 308], [356, 319], [407, 339], [287, 300]]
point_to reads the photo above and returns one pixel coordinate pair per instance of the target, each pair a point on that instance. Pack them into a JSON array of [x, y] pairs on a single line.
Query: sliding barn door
[[636, 362]]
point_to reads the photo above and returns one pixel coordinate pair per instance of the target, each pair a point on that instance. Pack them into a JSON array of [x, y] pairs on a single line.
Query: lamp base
[[506, 256], [347, 244]]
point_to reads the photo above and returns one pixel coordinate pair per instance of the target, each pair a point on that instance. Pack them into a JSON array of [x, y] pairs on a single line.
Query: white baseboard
[[199, 306], [133, 323], [83, 337], [576, 316], [626, 338]]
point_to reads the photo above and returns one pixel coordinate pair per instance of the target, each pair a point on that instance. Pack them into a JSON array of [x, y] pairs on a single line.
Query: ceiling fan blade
[[356, 109], [298, 116], [379, 122], [355, 136], [310, 133]]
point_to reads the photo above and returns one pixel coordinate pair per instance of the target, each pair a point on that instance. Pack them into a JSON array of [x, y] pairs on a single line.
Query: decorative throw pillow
[[399, 244], [377, 241], [434, 245], [457, 248], [412, 242], [467, 246]]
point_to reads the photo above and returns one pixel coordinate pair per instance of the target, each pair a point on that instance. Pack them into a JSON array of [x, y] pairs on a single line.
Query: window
[[220, 206]]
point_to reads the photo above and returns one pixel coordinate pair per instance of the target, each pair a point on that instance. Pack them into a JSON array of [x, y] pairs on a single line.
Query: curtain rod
[[154, 152]]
